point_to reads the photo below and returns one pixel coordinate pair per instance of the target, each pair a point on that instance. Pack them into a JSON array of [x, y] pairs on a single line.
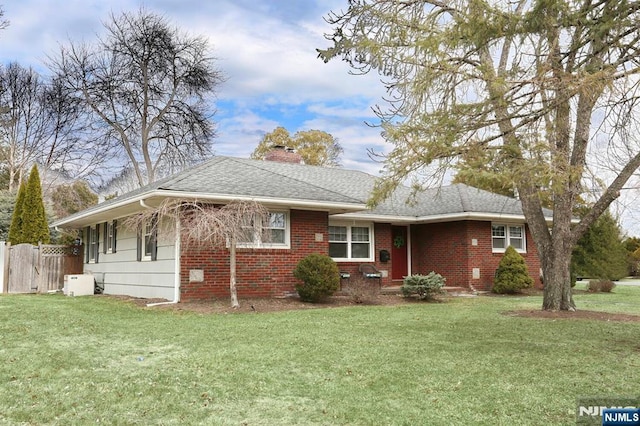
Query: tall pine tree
[[15, 230], [34, 220]]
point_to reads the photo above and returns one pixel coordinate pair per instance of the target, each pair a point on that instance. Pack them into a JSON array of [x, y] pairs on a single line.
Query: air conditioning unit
[[78, 285]]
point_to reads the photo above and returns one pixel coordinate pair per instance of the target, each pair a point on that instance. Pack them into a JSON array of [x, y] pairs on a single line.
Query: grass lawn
[[99, 360]]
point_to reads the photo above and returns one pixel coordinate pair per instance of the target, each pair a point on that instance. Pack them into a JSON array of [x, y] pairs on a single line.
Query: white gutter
[[145, 205], [176, 273], [433, 219], [318, 205], [312, 205]]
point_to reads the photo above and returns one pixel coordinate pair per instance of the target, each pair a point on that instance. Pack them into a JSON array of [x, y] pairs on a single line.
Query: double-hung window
[[109, 245], [274, 233], [277, 228], [350, 242], [148, 240], [503, 236], [92, 244]]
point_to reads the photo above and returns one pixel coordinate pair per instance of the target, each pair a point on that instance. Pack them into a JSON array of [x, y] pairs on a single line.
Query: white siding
[[122, 274]]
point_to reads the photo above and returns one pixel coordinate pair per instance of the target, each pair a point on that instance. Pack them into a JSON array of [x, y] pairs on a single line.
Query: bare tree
[[3, 22], [41, 124], [203, 224], [146, 84], [72, 148], [549, 88], [22, 122]]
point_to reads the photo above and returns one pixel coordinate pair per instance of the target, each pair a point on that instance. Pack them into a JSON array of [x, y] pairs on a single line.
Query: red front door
[[399, 252]]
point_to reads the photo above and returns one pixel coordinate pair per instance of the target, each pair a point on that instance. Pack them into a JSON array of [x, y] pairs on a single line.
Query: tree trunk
[[232, 267], [556, 267]]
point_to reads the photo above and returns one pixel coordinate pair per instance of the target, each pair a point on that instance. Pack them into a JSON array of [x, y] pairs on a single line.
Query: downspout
[[145, 205], [176, 265]]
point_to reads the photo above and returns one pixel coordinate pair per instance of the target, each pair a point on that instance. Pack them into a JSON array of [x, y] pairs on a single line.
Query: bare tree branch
[[206, 225], [149, 85]]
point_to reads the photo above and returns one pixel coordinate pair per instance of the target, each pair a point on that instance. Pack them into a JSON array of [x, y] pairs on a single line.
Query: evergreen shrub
[[512, 274], [425, 286], [35, 228], [319, 275]]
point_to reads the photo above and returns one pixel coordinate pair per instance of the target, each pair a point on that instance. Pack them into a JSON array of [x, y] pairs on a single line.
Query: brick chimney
[[282, 154]]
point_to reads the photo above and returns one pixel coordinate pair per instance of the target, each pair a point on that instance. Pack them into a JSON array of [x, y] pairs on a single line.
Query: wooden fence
[[41, 268]]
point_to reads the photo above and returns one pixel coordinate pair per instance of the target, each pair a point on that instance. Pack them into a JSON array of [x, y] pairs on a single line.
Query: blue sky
[[265, 49]]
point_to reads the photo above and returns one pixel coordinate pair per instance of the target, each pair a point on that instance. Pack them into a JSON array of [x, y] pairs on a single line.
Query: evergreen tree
[[512, 274], [7, 204], [634, 262], [34, 220], [632, 245], [529, 81], [600, 252], [15, 230]]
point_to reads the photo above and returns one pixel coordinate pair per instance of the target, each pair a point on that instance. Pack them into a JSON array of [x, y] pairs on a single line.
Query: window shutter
[[139, 244], [87, 243], [154, 238], [97, 247], [105, 235], [113, 242]]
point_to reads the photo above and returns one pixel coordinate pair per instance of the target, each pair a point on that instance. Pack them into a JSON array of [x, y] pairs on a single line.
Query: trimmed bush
[[319, 275], [602, 285], [425, 286], [512, 274]]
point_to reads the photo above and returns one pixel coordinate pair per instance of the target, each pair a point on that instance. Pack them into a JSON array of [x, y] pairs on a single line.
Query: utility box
[[78, 285]]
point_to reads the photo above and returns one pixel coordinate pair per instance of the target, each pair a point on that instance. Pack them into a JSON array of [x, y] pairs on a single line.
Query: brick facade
[[260, 272], [452, 249], [382, 237], [455, 249]]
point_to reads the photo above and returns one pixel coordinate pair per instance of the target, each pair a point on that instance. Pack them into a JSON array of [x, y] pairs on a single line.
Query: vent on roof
[[283, 154]]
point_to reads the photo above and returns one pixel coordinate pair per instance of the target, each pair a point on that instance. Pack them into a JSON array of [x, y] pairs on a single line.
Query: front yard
[[103, 360]]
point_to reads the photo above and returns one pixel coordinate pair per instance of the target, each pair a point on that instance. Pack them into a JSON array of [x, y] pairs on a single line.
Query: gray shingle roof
[[245, 177], [295, 184]]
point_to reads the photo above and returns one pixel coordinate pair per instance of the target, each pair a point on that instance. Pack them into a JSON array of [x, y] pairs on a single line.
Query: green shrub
[[601, 285], [512, 274], [34, 219], [425, 286], [319, 275]]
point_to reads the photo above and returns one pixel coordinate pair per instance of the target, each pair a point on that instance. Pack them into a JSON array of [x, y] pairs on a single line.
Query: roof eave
[[448, 217], [132, 205]]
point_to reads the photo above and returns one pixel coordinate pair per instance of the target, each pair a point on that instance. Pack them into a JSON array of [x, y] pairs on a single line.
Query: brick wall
[[454, 249], [260, 272], [383, 241], [442, 248], [446, 248]]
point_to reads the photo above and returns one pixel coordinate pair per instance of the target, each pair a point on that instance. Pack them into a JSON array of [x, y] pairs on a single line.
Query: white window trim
[[349, 225], [508, 237], [143, 240], [109, 240], [259, 244], [93, 242]]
